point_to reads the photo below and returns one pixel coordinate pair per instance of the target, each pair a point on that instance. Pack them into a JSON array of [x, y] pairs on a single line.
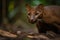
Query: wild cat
[[49, 14]]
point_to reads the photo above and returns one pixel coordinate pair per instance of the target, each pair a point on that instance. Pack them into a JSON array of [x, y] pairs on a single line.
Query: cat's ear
[[28, 7], [40, 6]]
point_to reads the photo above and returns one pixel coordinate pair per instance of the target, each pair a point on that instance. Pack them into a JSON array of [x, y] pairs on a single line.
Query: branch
[[7, 34]]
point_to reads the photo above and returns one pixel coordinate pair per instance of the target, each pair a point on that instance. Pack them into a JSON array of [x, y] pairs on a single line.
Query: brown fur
[[52, 14]]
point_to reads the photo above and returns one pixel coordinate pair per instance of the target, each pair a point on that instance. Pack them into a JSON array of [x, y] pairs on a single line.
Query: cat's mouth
[[32, 21]]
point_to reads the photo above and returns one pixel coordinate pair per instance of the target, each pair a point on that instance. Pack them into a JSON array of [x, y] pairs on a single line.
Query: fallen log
[[7, 34]]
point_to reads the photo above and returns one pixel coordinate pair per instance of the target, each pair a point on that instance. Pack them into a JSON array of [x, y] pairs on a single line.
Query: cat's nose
[[32, 18]]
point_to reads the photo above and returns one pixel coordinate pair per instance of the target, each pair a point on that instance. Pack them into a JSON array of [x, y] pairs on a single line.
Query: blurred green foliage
[[11, 6], [32, 3]]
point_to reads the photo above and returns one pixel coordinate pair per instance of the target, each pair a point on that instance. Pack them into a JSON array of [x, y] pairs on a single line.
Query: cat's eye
[[28, 13], [36, 13]]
